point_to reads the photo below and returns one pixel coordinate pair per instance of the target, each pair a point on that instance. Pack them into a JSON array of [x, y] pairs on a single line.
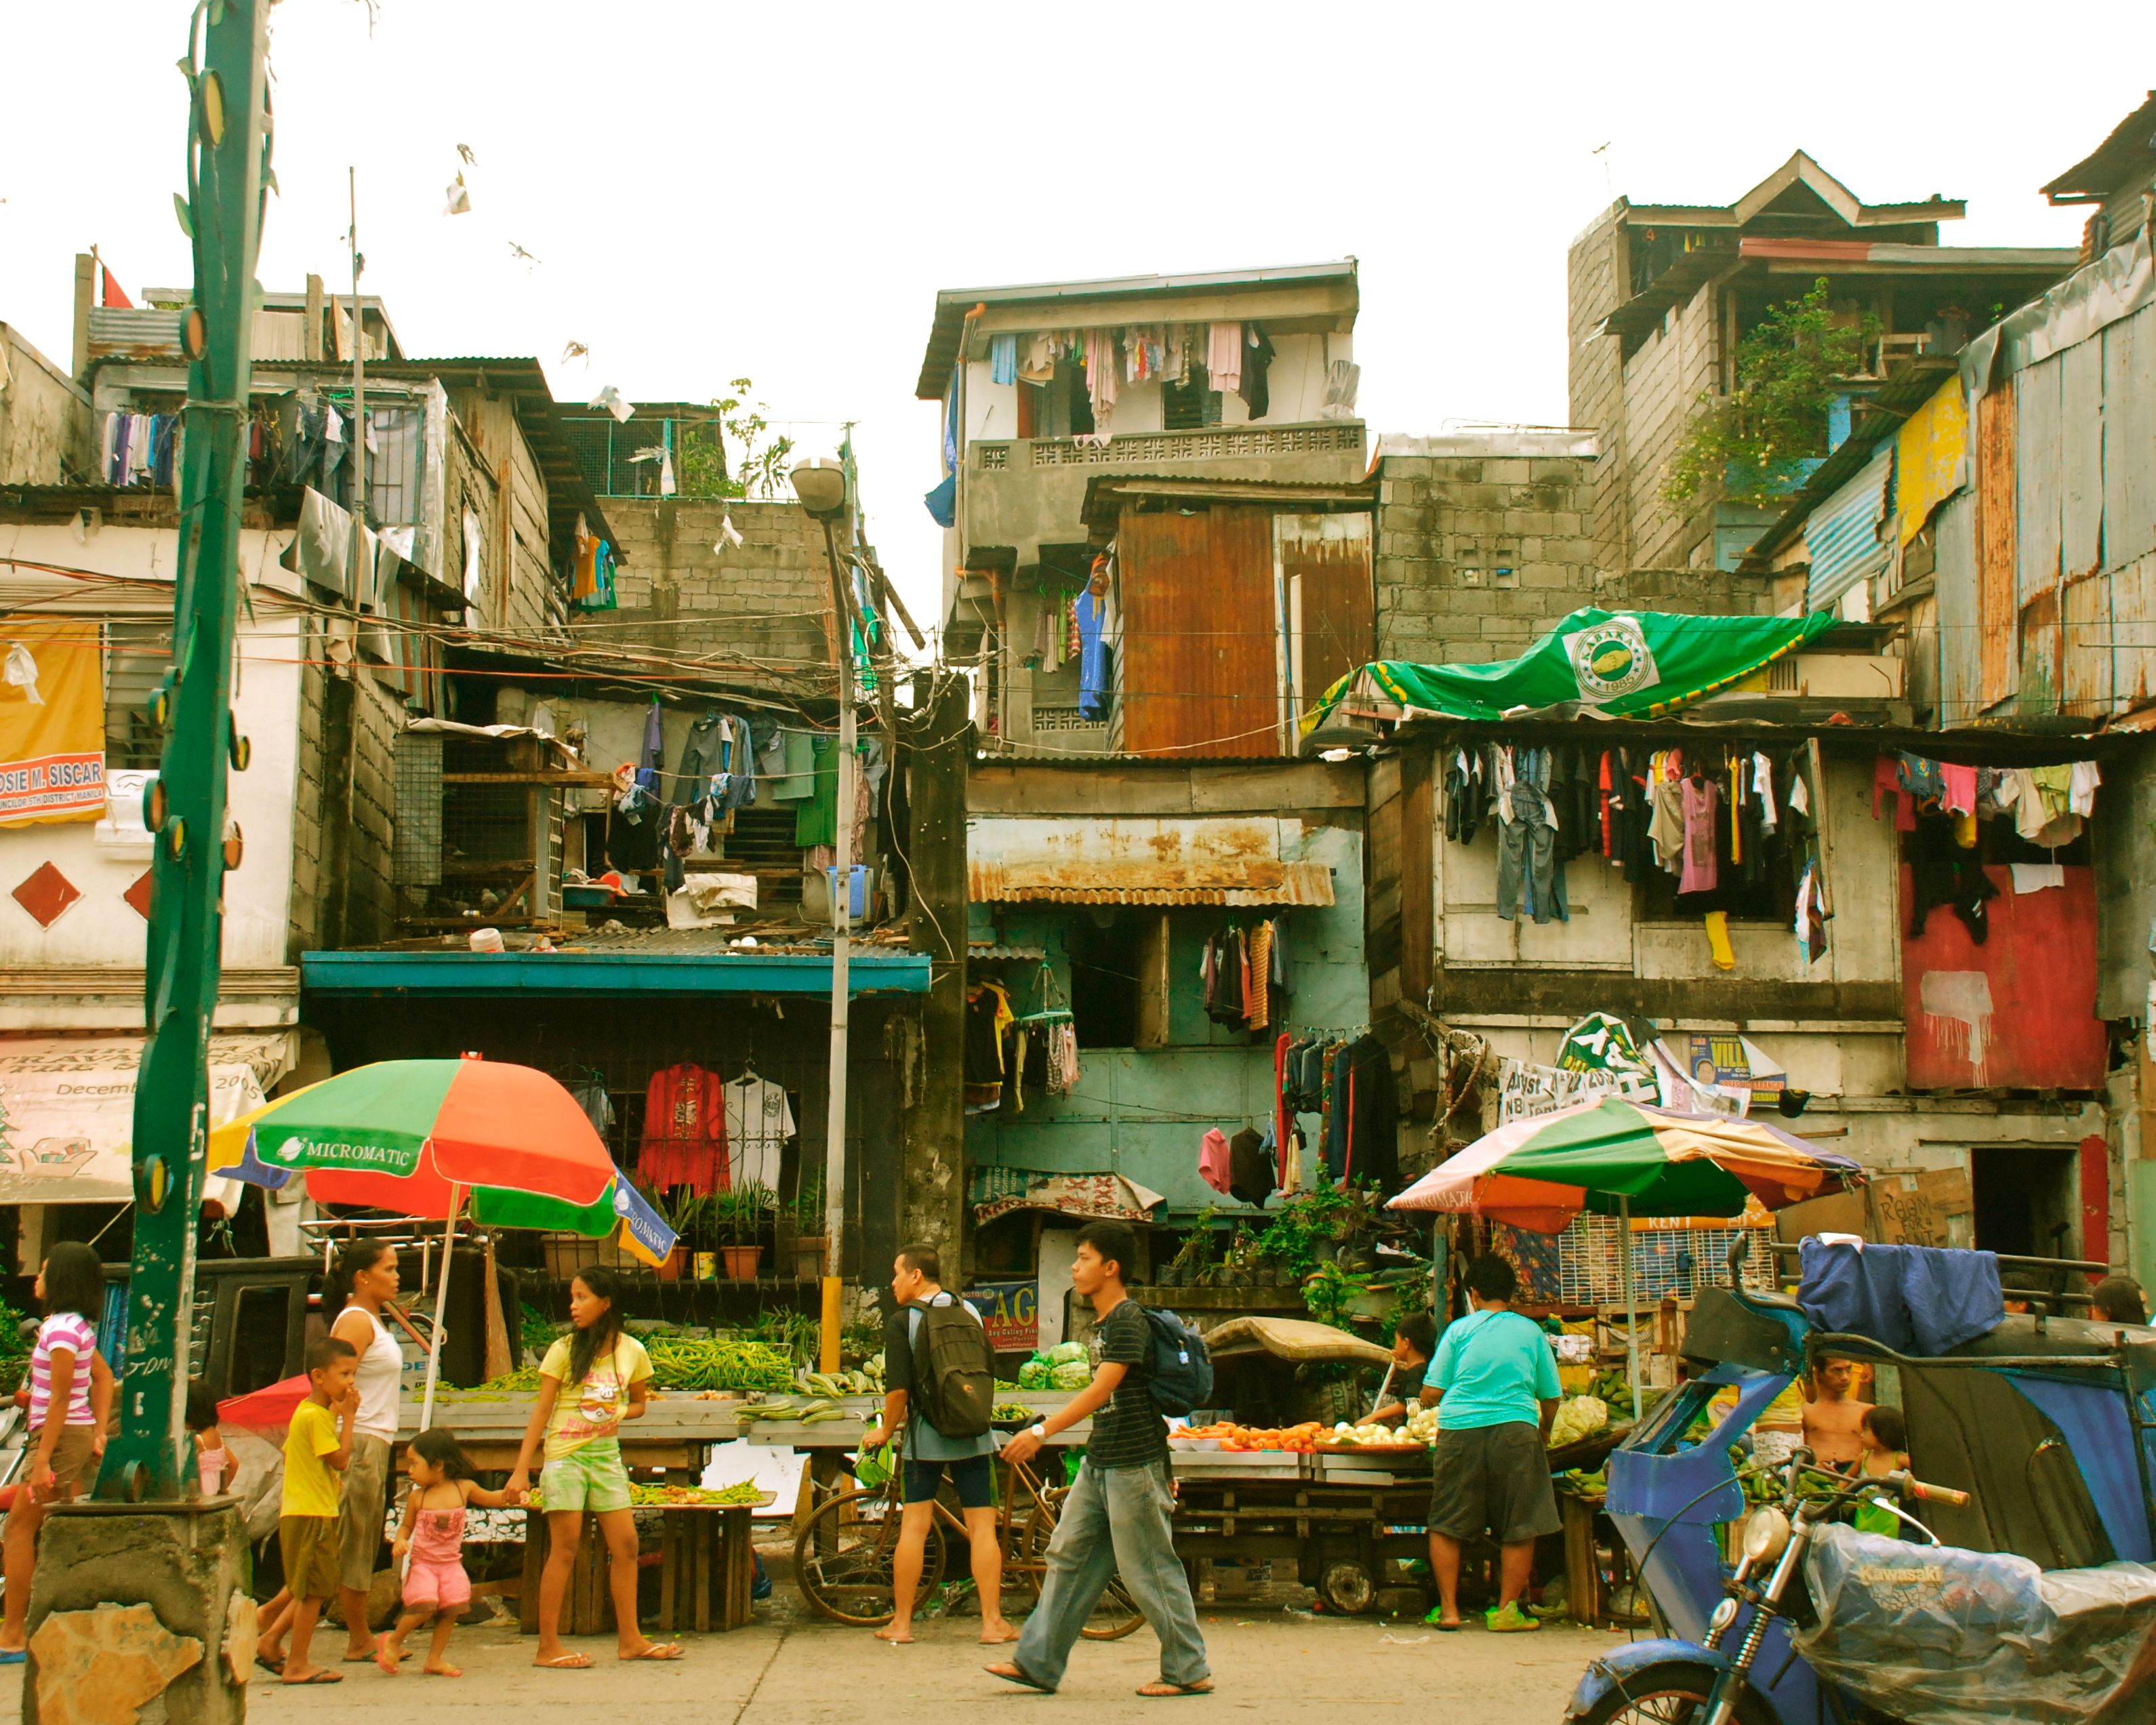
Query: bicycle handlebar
[[1911, 1486]]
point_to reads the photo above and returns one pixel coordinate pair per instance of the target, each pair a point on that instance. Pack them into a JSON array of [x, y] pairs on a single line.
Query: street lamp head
[[821, 485]]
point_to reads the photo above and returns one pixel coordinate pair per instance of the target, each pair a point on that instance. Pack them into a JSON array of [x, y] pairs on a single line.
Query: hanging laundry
[[590, 1095], [816, 821], [1003, 359], [1213, 1160], [1038, 364], [1250, 1177], [759, 1120], [684, 1131], [1224, 358], [1257, 361], [1700, 798], [1362, 1130], [1100, 377], [1092, 658], [988, 1011]]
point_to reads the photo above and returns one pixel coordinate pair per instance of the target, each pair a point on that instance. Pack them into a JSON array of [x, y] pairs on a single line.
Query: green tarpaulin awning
[[1622, 663]]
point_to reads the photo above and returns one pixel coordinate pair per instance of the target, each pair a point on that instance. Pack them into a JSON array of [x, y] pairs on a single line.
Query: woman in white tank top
[[366, 1270]]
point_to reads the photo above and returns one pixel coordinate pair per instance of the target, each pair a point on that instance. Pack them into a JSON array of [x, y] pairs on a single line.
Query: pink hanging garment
[[1224, 358], [1961, 789], [1212, 1159], [1701, 872], [1100, 377]]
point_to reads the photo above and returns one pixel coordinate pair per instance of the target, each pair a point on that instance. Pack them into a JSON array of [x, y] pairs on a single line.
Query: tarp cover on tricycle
[[1937, 1635]]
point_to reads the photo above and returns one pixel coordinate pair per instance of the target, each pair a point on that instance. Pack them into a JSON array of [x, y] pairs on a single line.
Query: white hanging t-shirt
[[758, 1124]]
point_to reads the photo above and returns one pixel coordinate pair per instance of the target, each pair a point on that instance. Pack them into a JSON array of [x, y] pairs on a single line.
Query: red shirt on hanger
[[685, 1131]]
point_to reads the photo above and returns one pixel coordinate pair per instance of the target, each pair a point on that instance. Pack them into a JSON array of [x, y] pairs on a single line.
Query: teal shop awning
[[562, 975]]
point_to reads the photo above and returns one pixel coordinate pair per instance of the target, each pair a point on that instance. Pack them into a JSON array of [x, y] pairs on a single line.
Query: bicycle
[[842, 1556]]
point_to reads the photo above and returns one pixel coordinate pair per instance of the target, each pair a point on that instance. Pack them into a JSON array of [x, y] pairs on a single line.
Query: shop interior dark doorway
[[2026, 1201]]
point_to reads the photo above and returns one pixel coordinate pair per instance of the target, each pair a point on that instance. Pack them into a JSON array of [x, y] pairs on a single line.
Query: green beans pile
[[691, 1363]]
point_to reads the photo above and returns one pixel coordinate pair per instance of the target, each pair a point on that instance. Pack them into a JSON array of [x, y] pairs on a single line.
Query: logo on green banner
[[1612, 661]]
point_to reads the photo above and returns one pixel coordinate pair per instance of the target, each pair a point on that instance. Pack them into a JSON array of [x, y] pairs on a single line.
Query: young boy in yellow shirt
[[316, 1448]]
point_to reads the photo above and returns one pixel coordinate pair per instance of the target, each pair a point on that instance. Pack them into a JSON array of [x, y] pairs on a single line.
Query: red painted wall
[[2038, 976]]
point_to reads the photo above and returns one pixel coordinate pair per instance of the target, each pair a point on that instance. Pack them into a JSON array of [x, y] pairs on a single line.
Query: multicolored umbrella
[[1620, 1158], [435, 1139], [1612, 1156]]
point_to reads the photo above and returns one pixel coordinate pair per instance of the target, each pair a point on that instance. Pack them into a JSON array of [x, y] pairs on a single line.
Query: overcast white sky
[[714, 191]]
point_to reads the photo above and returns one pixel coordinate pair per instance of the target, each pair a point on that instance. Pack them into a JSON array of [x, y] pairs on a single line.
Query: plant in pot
[[1193, 1262], [689, 1214], [1241, 1265], [742, 1216], [811, 1244]]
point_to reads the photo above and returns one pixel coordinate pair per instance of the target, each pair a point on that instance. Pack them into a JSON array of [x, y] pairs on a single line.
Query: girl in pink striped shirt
[[70, 1397]]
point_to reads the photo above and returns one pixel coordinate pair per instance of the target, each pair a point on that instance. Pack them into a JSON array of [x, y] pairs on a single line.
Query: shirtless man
[[1833, 1420]]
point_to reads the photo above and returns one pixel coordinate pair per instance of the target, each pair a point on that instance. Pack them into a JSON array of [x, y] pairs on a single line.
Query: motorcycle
[[2025, 1593]]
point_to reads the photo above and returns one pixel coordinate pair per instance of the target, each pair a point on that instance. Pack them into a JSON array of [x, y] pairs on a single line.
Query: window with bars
[[136, 656]]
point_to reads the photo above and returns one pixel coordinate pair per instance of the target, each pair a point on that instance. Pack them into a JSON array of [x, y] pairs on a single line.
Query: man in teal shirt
[[1497, 1392]]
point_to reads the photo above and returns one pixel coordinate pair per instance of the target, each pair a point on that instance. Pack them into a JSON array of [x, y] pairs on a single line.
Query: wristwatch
[[1040, 1431]]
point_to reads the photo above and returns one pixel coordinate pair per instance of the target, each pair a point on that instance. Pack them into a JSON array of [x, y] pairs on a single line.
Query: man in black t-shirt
[[1117, 1520]]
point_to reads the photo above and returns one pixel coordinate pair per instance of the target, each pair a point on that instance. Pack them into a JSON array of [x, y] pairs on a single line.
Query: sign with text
[[1010, 1311], [52, 721]]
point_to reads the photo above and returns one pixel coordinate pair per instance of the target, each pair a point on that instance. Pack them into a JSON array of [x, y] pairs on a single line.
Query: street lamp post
[[821, 487]]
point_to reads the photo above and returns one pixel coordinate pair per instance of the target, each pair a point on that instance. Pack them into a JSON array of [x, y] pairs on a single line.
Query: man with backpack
[[1117, 1520], [939, 1379]]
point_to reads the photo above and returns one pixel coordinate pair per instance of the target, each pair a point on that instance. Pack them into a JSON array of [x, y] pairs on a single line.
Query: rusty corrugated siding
[[1200, 642], [1135, 860], [1283, 883], [1997, 612]]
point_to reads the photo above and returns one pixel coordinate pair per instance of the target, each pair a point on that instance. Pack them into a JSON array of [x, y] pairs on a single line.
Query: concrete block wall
[[767, 602], [1595, 279], [1448, 526]]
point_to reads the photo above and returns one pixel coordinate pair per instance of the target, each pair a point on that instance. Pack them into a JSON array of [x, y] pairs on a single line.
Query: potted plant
[[812, 1244], [1191, 1264], [741, 1216], [687, 1213]]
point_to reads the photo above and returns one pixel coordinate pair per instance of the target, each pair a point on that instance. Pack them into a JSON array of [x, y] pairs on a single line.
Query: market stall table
[[705, 1556]]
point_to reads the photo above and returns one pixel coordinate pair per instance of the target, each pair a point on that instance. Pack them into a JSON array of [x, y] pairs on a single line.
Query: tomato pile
[[1294, 1440]]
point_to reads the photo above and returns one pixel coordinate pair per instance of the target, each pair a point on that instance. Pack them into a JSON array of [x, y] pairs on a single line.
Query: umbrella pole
[[1631, 1312], [441, 1309]]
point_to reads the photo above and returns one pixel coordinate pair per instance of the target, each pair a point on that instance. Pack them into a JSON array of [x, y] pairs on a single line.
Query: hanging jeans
[[1526, 860], [1115, 1521]]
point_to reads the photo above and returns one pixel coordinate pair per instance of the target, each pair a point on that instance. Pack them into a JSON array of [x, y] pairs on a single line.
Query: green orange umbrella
[[436, 1139], [423, 1137]]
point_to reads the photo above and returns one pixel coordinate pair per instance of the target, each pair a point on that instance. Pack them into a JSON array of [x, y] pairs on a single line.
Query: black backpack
[[1181, 1369], [954, 1369]]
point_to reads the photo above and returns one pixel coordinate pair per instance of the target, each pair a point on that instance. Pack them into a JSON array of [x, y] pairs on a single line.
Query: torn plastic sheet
[[2116, 285], [1938, 1636]]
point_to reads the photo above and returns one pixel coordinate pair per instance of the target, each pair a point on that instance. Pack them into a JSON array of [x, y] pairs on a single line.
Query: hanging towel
[[1224, 358], [1003, 359]]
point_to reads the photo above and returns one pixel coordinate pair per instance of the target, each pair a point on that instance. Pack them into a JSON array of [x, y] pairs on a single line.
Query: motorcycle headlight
[[1766, 1535], [1725, 1614]]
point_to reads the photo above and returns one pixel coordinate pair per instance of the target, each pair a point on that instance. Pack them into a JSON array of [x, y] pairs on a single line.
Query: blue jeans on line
[[1116, 1519]]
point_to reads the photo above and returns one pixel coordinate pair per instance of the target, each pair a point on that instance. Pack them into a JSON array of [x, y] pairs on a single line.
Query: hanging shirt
[[685, 1131], [1224, 358], [1700, 872], [1092, 657], [1215, 1161], [758, 1123]]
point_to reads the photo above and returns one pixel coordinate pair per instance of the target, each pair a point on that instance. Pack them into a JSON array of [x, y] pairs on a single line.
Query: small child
[[213, 1460], [316, 1449], [70, 1397], [432, 1530], [1883, 1432]]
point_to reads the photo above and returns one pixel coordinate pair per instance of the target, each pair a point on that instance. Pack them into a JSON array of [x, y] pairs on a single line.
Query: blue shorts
[[973, 1476]]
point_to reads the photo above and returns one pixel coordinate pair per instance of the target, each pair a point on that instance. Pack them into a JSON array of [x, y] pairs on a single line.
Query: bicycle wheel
[[842, 1559], [1115, 1615]]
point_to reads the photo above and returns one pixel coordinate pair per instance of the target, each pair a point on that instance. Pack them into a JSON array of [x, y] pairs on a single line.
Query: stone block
[[1472, 495], [1399, 519], [1565, 576], [1507, 628], [1508, 472], [1453, 471], [131, 1615], [1563, 469]]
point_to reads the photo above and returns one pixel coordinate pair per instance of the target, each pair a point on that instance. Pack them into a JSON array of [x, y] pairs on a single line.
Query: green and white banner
[[1624, 664]]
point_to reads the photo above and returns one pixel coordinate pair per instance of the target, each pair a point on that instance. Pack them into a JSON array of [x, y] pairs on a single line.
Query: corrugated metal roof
[[2117, 158], [1220, 860]]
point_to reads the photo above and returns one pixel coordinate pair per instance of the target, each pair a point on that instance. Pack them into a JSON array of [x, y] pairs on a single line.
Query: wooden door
[[1200, 639]]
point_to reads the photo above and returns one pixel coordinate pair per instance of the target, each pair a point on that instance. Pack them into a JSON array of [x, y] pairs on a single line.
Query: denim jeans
[[1526, 860], [1115, 1521]]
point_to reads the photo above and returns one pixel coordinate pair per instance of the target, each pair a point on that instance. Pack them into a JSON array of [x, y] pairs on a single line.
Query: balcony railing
[[1146, 449]]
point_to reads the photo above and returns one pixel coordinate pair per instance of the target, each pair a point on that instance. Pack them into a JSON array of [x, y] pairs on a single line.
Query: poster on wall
[[1010, 1311], [51, 722]]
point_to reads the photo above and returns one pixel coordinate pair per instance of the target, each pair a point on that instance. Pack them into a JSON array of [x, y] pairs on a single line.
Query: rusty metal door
[[1201, 673], [1997, 544], [1330, 597]]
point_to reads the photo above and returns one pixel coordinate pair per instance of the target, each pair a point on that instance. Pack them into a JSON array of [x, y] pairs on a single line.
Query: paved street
[[789, 1671]]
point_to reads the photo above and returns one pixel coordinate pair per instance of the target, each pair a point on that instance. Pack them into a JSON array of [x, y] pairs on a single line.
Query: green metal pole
[[227, 152]]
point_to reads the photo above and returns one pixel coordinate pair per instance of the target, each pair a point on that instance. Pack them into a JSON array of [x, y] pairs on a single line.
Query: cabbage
[[1578, 1417], [1071, 1374], [1065, 1353], [1033, 1375]]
